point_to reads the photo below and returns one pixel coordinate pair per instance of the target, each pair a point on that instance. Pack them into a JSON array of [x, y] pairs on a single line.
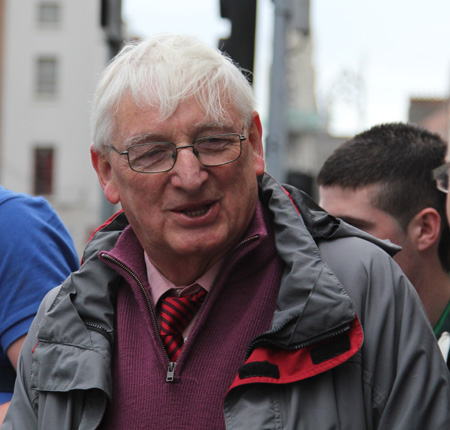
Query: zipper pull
[[170, 371]]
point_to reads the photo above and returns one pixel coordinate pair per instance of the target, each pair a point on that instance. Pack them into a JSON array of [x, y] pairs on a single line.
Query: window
[[47, 75], [48, 13], [43, 170]]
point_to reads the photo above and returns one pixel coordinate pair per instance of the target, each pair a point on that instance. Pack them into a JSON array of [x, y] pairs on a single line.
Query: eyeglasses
[[440, 174], [158, 157]]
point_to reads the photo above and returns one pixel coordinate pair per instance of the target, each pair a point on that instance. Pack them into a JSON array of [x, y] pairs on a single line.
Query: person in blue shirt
[[36, 254]]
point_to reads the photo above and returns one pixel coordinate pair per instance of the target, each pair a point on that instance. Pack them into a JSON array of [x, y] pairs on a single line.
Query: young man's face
[[191, 211], [355, 207]]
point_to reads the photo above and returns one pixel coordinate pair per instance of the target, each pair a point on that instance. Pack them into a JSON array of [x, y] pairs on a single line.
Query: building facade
[[51, 55], [431, 113]]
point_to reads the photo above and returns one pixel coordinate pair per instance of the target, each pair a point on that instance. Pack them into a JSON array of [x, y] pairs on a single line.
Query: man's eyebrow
[[205, 126], [142, 138], [158, 137]]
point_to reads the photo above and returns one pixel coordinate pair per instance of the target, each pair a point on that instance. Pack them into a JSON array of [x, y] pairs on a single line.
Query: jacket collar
[[308, 286]]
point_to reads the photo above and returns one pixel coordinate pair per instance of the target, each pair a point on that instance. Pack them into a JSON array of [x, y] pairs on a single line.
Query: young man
[[381, 181], [281, 294]]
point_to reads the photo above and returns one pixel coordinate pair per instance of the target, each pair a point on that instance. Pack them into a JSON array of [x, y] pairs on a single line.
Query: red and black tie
[[176, 313]]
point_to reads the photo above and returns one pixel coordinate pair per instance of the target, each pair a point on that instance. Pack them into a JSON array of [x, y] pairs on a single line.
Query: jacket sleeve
[[40, 402], [406, 381], [22, 413]]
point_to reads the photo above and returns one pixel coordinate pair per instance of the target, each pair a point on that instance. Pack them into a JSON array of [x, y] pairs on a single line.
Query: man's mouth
[[193, 213]]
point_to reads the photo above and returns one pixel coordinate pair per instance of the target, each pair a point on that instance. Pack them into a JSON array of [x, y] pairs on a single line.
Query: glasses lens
[[219, 149], [442, 182], [151, 157], [441, 176]]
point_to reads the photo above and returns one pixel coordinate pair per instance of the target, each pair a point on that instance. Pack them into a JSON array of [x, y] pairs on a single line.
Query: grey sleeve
[[406, 381], [22, 413]]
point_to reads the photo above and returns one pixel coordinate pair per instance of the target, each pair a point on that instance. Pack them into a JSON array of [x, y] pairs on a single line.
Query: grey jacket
[[349, 346]]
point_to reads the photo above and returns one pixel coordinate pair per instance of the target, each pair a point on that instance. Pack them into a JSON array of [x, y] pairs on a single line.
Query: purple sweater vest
[[239, 306]]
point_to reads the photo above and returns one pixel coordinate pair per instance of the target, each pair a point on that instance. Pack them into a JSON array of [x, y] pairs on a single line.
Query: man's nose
[[188, 173]]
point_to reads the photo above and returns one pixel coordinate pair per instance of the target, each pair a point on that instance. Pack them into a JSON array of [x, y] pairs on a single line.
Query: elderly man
[[219, 299]]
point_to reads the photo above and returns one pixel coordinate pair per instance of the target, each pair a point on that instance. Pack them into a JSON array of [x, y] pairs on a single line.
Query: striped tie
[[176, 313]]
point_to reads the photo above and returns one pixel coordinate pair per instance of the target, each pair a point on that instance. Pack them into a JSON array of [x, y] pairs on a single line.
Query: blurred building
[[51, 55], [309, 143], [431, 113]]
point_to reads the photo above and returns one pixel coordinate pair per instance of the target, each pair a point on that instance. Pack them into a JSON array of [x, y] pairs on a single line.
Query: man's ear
[[425, 228], [104, 173], [255, 139]]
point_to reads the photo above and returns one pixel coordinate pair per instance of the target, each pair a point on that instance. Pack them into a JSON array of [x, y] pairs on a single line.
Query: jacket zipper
[[171, 364], [99, 329], [263, 339], [245, 241]]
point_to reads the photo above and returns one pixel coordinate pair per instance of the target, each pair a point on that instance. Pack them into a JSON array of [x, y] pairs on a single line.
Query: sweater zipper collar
[[171, 364]]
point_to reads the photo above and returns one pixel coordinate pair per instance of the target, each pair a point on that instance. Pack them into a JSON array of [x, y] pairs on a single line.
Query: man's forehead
[[354, 205], [337, 193], [204, 117], [189, 119]]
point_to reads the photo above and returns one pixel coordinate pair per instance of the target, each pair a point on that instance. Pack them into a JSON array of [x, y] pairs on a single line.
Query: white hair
[[161, 72]]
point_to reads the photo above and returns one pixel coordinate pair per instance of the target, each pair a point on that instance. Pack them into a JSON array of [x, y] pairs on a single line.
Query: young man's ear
[[255, 140], [104, 173], [425, 228]]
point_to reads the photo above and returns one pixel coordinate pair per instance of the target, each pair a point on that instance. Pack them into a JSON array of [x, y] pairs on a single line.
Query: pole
[[112, 25], [277, 137]]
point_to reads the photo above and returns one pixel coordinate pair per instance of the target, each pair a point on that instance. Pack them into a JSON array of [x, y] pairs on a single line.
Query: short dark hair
[[400, 158]]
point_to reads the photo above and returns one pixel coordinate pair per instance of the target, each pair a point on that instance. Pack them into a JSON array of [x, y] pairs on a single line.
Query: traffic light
[[240, 45]]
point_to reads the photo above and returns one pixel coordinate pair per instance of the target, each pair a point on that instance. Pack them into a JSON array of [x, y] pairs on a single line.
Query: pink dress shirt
[[160, 285]]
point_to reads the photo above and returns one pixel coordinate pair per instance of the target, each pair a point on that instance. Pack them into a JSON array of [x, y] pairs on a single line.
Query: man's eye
[[215, 142], [154, 152], [150, 154]]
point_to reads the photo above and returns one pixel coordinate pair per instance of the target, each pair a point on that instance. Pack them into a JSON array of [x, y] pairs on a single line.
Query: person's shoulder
[[13, 202], [51, 295], [355, 253], [364, 269], [34, 214], [7, 195], [354, 244]]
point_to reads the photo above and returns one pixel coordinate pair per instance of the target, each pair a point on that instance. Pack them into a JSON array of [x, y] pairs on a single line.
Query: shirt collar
[[159, 284]]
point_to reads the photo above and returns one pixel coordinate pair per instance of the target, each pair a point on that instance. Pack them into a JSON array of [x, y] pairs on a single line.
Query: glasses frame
[[242, 137], [438, 172]]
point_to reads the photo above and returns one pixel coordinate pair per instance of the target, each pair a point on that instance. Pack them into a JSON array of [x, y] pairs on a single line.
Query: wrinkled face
[[355, 207], [190, 212]]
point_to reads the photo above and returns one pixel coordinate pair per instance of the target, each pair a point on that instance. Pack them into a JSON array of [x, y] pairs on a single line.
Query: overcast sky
[[384, 51]]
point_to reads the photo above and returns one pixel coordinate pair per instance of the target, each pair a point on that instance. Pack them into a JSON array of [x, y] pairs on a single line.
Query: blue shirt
[[36, 254]]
